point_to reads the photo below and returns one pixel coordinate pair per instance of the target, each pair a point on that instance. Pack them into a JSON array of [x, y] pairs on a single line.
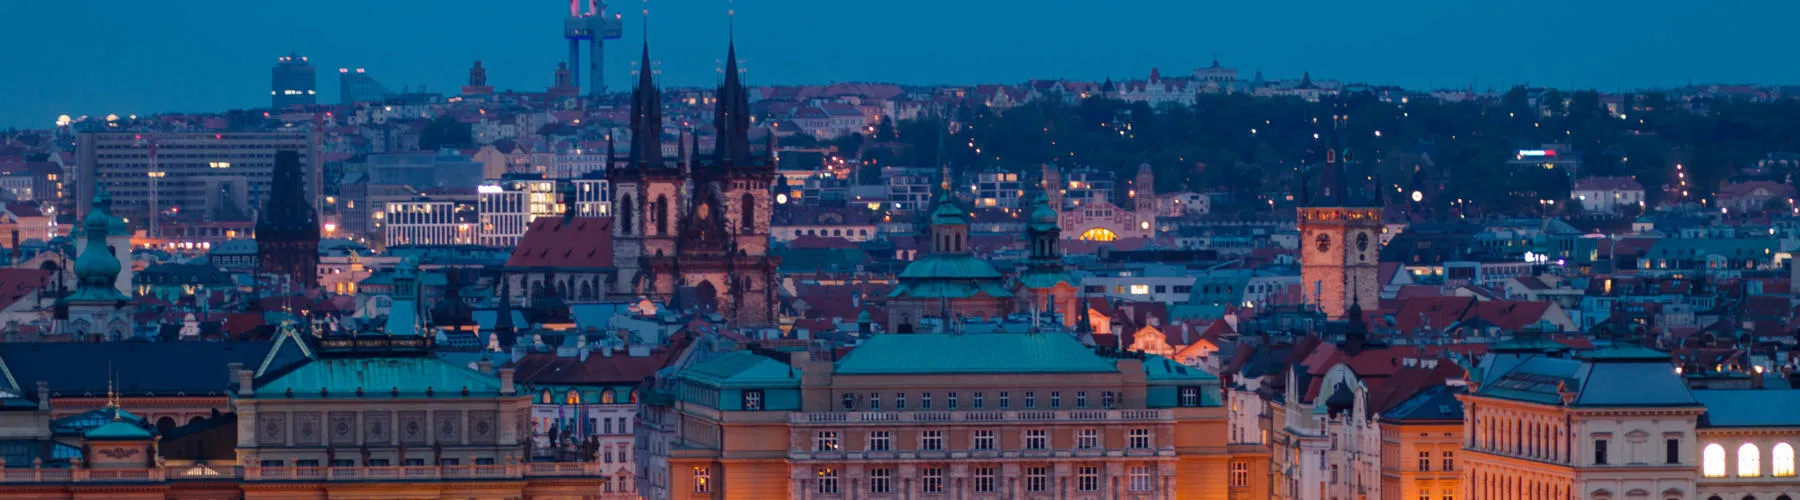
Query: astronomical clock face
[[1324, 243]]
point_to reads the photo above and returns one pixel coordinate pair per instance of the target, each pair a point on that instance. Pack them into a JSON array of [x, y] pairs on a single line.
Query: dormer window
[[574, 397], [753, 399]]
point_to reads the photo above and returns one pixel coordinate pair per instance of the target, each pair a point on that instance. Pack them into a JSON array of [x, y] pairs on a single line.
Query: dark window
[[1599, 452], [343, 462], [1673, 450], [753, 399]]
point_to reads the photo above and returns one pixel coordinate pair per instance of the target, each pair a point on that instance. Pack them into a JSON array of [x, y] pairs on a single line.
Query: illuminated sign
[[1537, 152], [489, 189]]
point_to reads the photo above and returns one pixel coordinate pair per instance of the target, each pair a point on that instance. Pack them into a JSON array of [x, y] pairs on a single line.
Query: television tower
[[594, 27]]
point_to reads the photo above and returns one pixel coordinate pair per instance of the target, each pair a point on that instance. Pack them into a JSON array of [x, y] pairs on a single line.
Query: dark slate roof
[[140, 368], [1431, 404], [1749, 408]]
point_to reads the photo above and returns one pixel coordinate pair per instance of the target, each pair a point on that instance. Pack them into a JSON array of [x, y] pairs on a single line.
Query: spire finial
[[731, 21]]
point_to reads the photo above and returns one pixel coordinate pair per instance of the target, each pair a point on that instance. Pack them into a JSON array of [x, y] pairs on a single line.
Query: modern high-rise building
[[187, 173], [357, 86], [293, 82]]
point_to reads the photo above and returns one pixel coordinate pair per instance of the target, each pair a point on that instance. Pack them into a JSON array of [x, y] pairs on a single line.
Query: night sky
[[96, 57]]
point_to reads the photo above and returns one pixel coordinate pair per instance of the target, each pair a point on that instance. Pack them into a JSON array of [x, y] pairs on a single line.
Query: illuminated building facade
[[507, 207], [1026, 416], [1617, 423], [428, 221], [1089, 213]]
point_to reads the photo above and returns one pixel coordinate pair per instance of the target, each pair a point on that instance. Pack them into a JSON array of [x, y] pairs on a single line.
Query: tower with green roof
[[1045, 283], [97, 309], [949, 282]]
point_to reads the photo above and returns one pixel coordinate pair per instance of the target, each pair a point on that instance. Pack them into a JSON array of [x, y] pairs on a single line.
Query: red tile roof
[[581, 242]]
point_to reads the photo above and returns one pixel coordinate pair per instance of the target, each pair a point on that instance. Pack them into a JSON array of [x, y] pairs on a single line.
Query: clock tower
[[1340, 232]]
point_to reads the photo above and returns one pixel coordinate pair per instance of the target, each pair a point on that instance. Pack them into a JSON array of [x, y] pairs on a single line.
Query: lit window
[[1784, 460], [702, 480], [826, 441], [1140, 289], [1713, 461], [828, 481], [1749, 461]]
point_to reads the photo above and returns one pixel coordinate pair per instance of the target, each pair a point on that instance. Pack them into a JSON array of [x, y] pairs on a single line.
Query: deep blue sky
[[135, 57]]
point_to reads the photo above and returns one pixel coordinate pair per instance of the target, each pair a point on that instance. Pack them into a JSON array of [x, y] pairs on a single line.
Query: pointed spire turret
[[731, 118], [646, 117]]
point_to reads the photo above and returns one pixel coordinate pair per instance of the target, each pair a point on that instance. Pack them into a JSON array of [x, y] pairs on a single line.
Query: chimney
[[43, 391], [484, 366], [245, 385], [506, 382], [231, 371]]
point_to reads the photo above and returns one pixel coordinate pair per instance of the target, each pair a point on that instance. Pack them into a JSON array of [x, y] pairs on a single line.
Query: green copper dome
[[947, 212], [96, 265]]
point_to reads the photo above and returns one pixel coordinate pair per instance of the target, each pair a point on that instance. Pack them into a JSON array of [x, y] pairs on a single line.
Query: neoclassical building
[[1746, 444], [1017, 416], [1614, 423]]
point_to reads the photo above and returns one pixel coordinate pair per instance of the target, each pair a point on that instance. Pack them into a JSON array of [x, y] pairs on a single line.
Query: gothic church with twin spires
[[693, 231]]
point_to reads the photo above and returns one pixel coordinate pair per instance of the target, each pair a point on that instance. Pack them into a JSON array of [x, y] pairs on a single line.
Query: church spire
[[731, 118], [646, 117]]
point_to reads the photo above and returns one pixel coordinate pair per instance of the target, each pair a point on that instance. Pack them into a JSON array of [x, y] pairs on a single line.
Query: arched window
[[1712, 461], [606, 397], [748, 213], [574, 398], [1784, 460], [1749, 461], [660, 212], [545, 397], [626, 212]]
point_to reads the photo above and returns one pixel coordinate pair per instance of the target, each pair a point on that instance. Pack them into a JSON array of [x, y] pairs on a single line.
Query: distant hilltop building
[[357, 86], [293, 82]]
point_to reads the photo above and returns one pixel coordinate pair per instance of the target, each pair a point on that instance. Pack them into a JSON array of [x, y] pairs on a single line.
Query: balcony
[[1026, 416]]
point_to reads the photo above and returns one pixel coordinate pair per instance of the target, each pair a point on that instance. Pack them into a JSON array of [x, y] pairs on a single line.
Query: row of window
[[978, 400], [373, 462], [985, 479], [1749, 460], [1449, 458], [982, 439], [1187, 397]]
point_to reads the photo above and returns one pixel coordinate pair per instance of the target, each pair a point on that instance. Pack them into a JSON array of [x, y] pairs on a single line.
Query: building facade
[[194, 172], [1030, 416]]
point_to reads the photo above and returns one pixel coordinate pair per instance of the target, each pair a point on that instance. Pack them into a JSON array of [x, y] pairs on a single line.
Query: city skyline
[[1399, 42]]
